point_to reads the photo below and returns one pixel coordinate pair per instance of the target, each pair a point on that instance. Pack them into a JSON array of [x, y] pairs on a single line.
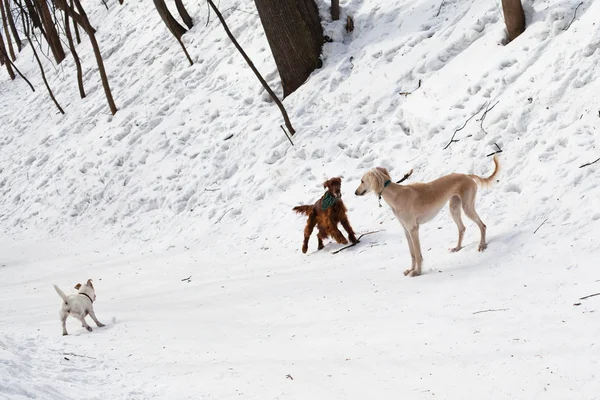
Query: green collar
[[328, 201], [384, 186]]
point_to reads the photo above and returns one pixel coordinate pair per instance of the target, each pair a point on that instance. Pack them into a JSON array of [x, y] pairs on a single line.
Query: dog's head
[[87, 288], [334, 186], [373, 181]]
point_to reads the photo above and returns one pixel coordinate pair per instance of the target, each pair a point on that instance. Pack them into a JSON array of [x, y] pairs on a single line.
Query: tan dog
[[78, 305], [418, 203]]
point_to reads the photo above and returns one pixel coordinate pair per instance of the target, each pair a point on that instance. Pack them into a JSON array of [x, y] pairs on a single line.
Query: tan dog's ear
[[89, 283], [381, 169], [78, 286]]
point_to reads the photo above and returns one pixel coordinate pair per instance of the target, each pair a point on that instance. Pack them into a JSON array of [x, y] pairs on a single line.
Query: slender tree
[[6, 32], [4, 59], [51, 32], [75, 55], [335, 10], [13, 27], [185, 16], [174, 27], [514, 18], [293, 30]]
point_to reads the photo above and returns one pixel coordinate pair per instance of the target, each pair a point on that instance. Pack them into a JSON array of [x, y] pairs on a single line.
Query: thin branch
[[487, 110], [495, 152], [590, 163], [490, 310], [407, 93], [540, 226], [219, 220], [16, 69], [405, 177], [357, 241], [574, 15], [78, 355], [286, 134], [589, 295], [440, 9], [452, 140]]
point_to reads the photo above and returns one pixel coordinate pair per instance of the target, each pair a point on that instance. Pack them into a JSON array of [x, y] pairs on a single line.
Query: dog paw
[[89, 328], [345, 241], [414, 273], [353, 240], [455, 249], [408, 271], [65, 333], [482, 247], [100, 324], [304, 249]]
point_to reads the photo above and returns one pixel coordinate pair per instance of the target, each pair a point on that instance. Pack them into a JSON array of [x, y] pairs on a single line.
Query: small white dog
[[78, 305]]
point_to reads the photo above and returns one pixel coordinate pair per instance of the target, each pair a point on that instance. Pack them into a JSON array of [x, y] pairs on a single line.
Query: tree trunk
[[514, 17], [51, 32], [11, 50], [185, 16], [174, 27], [4, 58], [13, 27], [335, 10], [75, 55], [76, 27], [35, 18], [3, 54], [293, 30]]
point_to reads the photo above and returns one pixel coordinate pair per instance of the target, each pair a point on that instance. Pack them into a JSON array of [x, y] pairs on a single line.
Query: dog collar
[[87, 297], [328, 201], [384, 186]]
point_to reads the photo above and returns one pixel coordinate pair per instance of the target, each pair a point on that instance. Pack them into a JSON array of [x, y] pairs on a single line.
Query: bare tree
[[75, 55], [335, 10], [514, 18], [3, 54], [174, 27], [6, 33], [75, 27], [185, 16], [11, 23], [264, 83], [51, 32], [4, 59], [294, 33]]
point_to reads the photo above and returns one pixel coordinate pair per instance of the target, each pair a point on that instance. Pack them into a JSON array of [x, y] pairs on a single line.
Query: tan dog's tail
[[487, 181], [303, 209], [61, 293]]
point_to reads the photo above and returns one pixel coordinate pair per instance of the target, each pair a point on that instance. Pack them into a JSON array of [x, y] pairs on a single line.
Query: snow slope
[[155, 194]]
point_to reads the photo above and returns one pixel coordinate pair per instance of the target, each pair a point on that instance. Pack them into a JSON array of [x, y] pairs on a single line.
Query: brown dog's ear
[[327, 183], [89, 283], [78, 286]]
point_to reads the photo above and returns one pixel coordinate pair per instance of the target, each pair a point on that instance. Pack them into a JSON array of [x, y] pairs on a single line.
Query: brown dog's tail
[[303, 209], [487, 181]]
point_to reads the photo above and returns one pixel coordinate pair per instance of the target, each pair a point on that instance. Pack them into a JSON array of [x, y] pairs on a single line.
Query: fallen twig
[[590, 163], [78, 355], [212, 190], [219, 220], [188, 279], [487, 110], [357, 241], [495, 152], [452, 140], [440, 9], [490, 310], [228, 137], [589, 295], [286, 134], [405, 177], [574, 15], [540, 226], [407, 93], [289, 376]]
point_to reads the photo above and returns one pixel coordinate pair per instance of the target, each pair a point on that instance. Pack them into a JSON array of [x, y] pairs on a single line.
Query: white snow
[[155, 194]]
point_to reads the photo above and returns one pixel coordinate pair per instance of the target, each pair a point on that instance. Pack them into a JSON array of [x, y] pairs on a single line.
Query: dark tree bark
[[185, 16], [11, 50], [4, 58], [13, 27], [3, 54], [294, 33], [174, 27], [76, 27], [253, 68], [514, 18], [33, 15], [335, 10], [75, 55], [51, 32]]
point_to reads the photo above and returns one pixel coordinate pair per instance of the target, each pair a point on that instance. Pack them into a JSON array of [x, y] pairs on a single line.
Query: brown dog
[[326, 213], [418, 203]]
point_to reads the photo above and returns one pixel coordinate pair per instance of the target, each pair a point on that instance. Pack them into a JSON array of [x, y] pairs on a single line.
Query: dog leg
[[414, 235], [84, 324], [348, 228], [310, 225], [455, 204], [93, 315], [338, 236], [412, 252], [322, 235], [63, 321], [472, 214]]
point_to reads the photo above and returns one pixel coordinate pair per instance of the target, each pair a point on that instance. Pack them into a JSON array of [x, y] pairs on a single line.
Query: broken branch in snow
[[590, 163], [440, 9], [495, 152], [487, 110], [78, 355], [212, 190], [407, 93], [589, 295], [286, 134], [219, 220], [490, 310], [188, 279], [536, 229], [289, 376], [357, 241], [452, 140], [574, 15], [405, 177]]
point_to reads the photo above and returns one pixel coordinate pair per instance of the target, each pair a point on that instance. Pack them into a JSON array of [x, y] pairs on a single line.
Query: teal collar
[[328, 201], [384, 186]]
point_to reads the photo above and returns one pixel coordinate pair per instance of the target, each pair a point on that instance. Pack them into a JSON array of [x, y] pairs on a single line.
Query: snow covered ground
[[155, 194]]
